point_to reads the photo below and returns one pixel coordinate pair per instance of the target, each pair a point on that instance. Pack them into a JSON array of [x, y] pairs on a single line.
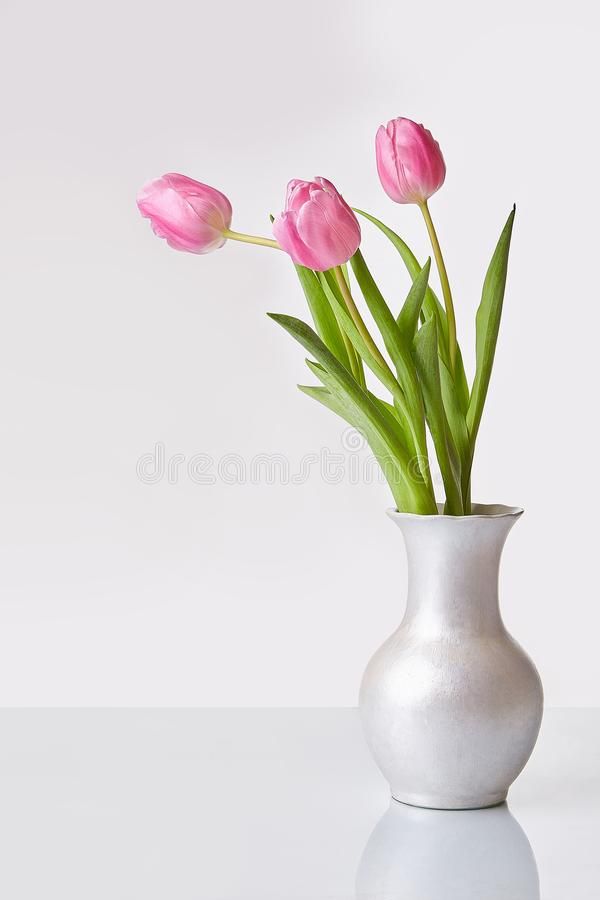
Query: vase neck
[[453, 565]]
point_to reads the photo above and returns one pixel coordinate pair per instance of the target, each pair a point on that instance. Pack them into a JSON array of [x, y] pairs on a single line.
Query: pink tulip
[[318, 229], [191, 216], [409, 161]]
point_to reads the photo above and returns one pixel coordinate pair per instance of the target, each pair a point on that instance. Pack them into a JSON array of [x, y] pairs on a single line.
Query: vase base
[[425, 801]]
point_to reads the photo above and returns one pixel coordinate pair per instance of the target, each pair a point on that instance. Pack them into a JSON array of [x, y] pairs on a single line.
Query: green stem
[[250, 239], [441, 266], [357, 318]]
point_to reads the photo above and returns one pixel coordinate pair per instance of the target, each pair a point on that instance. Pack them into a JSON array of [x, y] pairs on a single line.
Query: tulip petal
[[189, 215], [317, 232], [409, 161], [343, 228], [286, 234], [318, 229], [298, 192]]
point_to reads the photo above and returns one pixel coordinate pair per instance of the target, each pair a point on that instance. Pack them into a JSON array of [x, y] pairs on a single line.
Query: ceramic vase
[[451, 705]]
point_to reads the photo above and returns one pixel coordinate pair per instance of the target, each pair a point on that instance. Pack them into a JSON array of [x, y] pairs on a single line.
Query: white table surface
[[277, 805]]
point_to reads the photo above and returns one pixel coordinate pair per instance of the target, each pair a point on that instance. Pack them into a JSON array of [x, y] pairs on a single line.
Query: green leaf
[[458, 429], [384, 374], [336, 399], [385, 321], [426, 358], [419, 465], [460, 382], [332, 293], [398, 419], [347, 324], [338, 378], [431, 308], [327, 399], [408, 320], [322, 314], [341, 398], [398, 348], [343, 379], [394, 421], [487, 326], [431, 305]]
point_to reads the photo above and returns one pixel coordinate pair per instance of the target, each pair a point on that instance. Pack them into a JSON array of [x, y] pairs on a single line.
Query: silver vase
[[451, 705]]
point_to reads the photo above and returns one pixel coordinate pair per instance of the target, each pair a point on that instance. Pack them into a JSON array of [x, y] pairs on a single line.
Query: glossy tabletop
[[276, 805]]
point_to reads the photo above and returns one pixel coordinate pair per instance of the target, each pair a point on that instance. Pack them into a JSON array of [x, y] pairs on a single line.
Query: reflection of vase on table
[[426, 854]]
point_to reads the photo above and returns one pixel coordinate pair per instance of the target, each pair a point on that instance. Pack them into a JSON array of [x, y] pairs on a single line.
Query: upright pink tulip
[[318, 229], [409, 161], [191, 216]]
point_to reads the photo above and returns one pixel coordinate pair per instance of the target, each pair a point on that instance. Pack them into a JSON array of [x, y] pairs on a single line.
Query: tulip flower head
[[409, 161], [191, 216], [317, 228]]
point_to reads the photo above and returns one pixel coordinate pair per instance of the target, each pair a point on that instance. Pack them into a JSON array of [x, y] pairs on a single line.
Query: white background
[[119, 592]]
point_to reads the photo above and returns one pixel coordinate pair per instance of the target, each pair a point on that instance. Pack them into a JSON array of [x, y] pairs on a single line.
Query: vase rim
[[479, 511]]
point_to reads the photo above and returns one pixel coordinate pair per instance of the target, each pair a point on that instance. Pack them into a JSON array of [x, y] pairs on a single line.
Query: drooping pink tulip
[[317, 228], [409, 161], [191, 216]]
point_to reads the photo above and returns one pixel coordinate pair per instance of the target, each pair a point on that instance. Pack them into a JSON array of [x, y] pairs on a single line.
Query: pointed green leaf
[[431, 308], [398, 348], [385, 375], [332, 292], [426, 358], [311, 342], [327, 399], [347, 324], [385, 321], [322, 314], [458, 429], [340, 396], [487, 326], [431, 305], [389, 413], [419, 461], [337, 400], [353, 394], [408, 320]]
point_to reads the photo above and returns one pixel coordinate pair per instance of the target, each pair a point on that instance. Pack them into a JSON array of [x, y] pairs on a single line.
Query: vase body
[[451, 705]]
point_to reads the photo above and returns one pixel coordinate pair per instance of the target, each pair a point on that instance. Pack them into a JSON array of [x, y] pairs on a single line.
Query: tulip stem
[[441, 266], [357, 318], [250, 239]]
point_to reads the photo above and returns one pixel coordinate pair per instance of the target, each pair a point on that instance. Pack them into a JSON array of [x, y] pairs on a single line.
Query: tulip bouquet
[[419, 365]]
